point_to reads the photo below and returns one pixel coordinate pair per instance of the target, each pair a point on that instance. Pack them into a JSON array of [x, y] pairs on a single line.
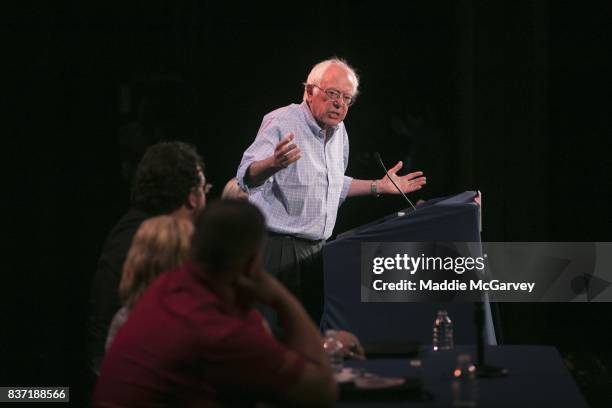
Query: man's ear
[[309, 89], [253, 264], [192, 200]]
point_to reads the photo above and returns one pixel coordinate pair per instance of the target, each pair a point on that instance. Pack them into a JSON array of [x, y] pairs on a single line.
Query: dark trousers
[[298, 264]]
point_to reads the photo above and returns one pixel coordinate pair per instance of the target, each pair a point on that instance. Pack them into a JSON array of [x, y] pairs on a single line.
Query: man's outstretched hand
[[408, 183]]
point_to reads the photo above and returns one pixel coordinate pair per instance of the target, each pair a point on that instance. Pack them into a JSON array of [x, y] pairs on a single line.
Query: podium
[[449, 219]]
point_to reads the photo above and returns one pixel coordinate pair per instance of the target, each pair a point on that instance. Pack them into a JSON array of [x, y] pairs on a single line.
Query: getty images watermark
[[501, 271]]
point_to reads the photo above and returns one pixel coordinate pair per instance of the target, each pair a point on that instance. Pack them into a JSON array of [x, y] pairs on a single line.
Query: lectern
[[449, 219]]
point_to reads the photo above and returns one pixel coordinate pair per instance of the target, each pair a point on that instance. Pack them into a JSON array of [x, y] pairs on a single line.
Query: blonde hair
[[161, 243], [316, 73], [233, 190]]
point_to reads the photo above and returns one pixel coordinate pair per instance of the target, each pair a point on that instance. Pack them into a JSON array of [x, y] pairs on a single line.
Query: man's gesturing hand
[[408, 183], [286, 152]]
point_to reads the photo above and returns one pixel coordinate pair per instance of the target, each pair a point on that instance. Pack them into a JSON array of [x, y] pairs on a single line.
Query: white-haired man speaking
[[294, 172]]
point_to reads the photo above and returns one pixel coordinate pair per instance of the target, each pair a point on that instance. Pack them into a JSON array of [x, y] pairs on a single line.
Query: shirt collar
[[312, 123]]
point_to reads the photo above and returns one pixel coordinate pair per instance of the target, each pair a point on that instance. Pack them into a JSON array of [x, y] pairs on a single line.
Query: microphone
[[387, 173]]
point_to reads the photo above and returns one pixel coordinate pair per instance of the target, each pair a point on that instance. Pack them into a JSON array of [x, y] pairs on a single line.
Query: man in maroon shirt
[[195, 339]]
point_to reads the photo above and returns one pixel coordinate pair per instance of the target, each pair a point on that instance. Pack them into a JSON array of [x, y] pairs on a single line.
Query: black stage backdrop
[[509, 97]]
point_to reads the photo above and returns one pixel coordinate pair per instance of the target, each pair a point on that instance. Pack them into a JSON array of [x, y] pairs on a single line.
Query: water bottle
[[333, 347], [442, 332], [464, 385]]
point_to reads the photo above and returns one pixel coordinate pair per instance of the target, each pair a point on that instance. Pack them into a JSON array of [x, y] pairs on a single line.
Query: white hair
[[316, 73]]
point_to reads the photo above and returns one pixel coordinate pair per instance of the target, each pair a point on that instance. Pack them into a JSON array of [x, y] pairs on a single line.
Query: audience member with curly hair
[[169, 180]]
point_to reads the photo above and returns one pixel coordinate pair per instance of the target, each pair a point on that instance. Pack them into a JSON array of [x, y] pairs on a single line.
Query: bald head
[[227, 233]]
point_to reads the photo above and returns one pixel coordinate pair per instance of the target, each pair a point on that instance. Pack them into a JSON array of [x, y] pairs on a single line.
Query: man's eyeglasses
[[206, 188], [337, 96]]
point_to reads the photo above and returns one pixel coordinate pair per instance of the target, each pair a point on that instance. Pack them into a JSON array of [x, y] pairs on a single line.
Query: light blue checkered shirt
[[303, 199]]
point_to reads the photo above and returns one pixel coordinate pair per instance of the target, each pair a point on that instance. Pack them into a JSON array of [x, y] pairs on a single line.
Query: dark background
[[509, 97]]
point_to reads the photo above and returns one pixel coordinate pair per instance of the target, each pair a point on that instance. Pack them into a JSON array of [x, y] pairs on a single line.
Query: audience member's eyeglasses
[[205, 188], [335, 95]]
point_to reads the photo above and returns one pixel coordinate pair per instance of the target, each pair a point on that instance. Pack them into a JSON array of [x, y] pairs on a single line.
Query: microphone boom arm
[[396, 186]]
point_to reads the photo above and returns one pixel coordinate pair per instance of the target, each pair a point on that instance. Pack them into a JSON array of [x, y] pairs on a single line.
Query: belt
[[293, 237]]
